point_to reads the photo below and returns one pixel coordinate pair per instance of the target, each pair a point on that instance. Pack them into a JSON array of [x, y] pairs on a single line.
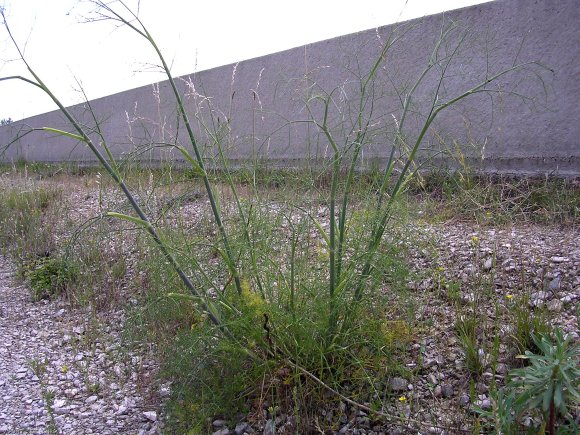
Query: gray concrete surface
[[527, 122]]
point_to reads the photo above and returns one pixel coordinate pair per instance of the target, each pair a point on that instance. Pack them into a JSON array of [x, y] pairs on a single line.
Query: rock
[[59, 403], [150, 415], [447, 391], [398, 384], [482, 388], [432, 379], [224, 431], [218, 423], [488, 264], [241, 428], [62, 410], [438, 391], [569, 297], [270, 428], [484, 404], [429, 362], [554, 285], [555, 305], [501, 369], [557, 259], [91, 399], [538, 299]]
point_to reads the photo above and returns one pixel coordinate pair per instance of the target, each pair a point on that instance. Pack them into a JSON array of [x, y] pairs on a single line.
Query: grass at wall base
[[295, 310]]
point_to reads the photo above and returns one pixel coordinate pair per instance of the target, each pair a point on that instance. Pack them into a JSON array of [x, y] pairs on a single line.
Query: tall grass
[[25, 219], [290, 307]]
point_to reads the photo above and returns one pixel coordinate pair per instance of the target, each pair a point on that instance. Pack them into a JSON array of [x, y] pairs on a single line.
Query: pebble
[[150, 415], [91, 399], [398, 384], [218, 423], [484, 404], [447, 391], [270, 428], [241, 428], [555, 305]]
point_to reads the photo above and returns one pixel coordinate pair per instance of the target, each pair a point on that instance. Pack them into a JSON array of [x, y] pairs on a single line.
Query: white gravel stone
[[150, 415]]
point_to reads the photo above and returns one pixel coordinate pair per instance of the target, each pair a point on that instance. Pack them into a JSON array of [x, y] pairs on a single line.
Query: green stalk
[[380, 229], [183, 114]]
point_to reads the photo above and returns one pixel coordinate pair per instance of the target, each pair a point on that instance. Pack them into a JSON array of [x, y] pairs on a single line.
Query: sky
[[68, 52]]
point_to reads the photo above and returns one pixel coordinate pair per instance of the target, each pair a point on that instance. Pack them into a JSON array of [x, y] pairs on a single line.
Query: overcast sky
[[193, 35]]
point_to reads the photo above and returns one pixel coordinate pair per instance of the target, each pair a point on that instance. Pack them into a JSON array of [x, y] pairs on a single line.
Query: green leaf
[[547, 399], [320, 230], [197, 169], [181, 296], [64, 133], [558, 397], [125, 217]]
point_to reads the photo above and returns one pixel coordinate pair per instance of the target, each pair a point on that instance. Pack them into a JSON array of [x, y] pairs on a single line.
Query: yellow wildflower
[[402, 399]]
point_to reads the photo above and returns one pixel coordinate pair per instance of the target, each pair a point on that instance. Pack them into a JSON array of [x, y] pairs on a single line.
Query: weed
[[526, 324], [551, 382], [39, 369], [26, 221], [549, 385], [51, 277], [500, 200], [466, 330]]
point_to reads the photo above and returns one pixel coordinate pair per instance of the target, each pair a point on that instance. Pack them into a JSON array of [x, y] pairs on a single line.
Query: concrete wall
[[528, 122]]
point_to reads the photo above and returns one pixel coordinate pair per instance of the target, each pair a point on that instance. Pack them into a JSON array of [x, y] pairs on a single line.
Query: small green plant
[[466, 329], [526, 325], [39, 369], [548, 387], [501, 416], [551, 383], [50, 277]]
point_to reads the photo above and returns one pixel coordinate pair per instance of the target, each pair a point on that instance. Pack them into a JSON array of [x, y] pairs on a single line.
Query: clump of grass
[[526, 324], [27, 220], [501, 199], [466, 330]]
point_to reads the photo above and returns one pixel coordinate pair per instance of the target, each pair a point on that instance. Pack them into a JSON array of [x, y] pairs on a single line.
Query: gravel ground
[[60, 374], [67, 370]]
